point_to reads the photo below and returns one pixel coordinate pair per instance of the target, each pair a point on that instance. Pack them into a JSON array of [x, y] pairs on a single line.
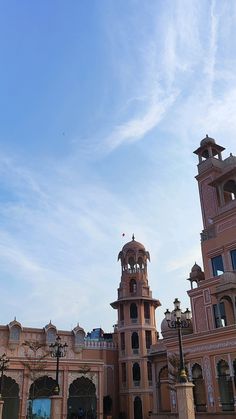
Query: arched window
[[131, 263], [133, 286], [79, 338], [138, 411], [135, 342], [51, 335], [225, 386], [133, 312], [146, 310], [164, 390], [199, 393], [15, 333], [140, 263], [229, 190], [136, 374]]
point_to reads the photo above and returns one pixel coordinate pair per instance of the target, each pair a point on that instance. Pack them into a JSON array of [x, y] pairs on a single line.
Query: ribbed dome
[[207, 140], [168, 332], [196, 268], [133, 248], [133, 245], [196, 273]]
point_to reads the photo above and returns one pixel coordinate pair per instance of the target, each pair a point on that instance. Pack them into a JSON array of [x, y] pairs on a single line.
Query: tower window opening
[[219, 315], [148, 338], [233, 258], [140, 264], [217, 265], [135, 340], [229, 191], [123, 372], [133, 286], [131, 264], [136, 372], [133, 311], [205, 154], [146, 310], [122, 341]]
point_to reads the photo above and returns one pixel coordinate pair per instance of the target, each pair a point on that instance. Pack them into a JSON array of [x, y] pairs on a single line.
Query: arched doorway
[[107, 405], [82, 399], [199, 392], [164, 390], [225, 386], [39, 397], [10, 395], [138, 411]]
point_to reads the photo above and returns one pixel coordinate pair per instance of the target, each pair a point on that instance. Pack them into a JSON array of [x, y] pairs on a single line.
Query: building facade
[[210, 342], [131, 373]]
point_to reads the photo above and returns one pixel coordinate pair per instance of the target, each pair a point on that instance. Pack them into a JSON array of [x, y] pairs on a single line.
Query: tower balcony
[[208, 233], [125, 293]]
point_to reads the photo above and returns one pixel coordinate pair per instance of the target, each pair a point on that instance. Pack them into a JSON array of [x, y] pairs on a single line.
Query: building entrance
[[10, 395], [39, 403], [82, 401]]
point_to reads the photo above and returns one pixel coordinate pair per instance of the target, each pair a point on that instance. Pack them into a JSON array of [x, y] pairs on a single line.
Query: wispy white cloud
[[61, 226], [137, 127]]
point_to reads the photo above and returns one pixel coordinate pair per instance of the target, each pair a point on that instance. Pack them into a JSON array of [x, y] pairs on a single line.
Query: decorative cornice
[[212, 346]]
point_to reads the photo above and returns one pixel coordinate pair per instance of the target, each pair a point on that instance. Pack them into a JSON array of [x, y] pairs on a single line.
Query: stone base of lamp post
[[1, 408], [185, 400], [56, 407]]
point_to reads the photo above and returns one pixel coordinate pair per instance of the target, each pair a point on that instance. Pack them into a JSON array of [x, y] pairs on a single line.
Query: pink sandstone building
[[129, 374]]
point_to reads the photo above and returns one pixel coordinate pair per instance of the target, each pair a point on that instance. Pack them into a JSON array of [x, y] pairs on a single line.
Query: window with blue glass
[[217, 265], [233, 258]]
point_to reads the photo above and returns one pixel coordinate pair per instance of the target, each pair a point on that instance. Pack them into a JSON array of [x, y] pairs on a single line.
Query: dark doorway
[[82, 401], [10, 395], [107, 405], [138, 411]]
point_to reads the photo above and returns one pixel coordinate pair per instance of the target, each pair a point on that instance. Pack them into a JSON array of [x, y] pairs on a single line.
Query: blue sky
[[102, 104]]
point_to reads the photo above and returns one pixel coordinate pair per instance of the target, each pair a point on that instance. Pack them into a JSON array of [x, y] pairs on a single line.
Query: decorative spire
[[133, 237]]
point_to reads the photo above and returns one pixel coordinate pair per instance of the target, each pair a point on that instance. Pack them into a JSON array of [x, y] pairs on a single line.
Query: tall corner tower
[[213, 300], [136, 331], [217, 188]]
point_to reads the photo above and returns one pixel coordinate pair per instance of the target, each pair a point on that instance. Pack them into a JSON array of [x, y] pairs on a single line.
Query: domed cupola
[[207, 140], [168, 332], [133, 257], [196, 275], [208, 148]]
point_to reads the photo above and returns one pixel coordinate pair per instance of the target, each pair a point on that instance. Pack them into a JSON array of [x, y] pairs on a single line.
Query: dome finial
[[133, 237]]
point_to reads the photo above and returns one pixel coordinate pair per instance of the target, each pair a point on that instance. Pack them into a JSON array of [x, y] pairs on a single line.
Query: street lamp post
[[181, 321], [58, 350], [3, 367]]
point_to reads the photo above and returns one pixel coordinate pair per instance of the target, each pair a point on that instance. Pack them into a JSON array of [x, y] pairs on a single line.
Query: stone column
[[56, 407], [154, 387], [1, 408], [185, 400]]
